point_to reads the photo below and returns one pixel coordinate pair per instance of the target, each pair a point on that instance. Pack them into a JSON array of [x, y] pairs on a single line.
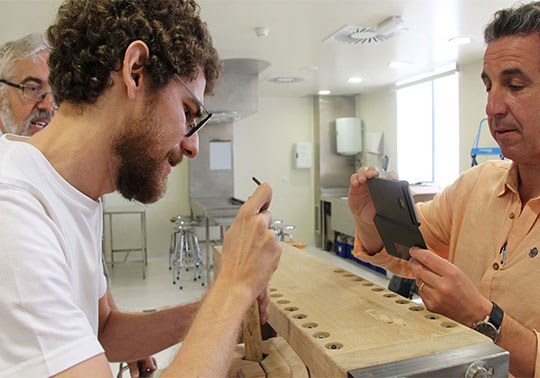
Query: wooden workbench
[[336, 321]]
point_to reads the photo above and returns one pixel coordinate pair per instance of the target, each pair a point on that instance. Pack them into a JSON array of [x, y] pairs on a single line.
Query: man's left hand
[[142, 368], [446, 290]]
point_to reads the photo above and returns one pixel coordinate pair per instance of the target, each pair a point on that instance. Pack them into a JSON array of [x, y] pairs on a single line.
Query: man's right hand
[[250, 251]]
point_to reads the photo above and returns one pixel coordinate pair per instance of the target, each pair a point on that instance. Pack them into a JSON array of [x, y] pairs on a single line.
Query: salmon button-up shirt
[[478, 224]]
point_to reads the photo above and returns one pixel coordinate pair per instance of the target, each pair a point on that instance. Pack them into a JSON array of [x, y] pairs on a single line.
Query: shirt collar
[[509, 181]]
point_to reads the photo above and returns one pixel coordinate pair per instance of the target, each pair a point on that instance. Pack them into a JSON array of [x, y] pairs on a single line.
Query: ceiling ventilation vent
[[368, 34], [284, 79]]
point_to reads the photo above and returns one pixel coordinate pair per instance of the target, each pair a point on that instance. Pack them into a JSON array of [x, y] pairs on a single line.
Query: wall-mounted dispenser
[[303, 155], [374, 142], [348, 135]]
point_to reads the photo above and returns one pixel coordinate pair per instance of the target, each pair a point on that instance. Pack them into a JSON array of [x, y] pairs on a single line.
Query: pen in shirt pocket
[[502, 252]]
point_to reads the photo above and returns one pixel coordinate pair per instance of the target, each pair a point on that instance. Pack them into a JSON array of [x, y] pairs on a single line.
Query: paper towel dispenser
[[374, 142], [348, 135]]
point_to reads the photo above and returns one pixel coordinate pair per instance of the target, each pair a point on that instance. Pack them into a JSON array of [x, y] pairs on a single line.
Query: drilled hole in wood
[[333, 346], [339, 271], [273, 289], [300, 316], [348, 275], [448, 325], [402, 301], [283, 301], [321, 335], [358, 279], [416, 308], [310, 325], [276, 295], [432, 317], [367, 284], [377, 289], [389, 295], [291, 309]]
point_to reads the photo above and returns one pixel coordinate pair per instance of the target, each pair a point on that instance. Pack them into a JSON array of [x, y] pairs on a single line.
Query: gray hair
[[27, 47], [523, 19]]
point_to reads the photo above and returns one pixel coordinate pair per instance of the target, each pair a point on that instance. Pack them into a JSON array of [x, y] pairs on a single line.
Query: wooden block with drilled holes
[[336, 321]]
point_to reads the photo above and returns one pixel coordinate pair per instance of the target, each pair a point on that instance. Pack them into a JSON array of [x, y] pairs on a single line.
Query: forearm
[[521, 343], [213, 334], [369, 236], [132, 336]]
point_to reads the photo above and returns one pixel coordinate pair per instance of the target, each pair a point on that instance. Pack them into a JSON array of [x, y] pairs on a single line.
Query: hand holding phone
[[395, 216]]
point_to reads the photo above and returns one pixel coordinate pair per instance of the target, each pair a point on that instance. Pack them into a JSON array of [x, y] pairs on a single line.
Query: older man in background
[[26, 102]]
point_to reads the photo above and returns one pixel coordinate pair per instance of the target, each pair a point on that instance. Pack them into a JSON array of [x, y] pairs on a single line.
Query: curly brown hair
[[89, 38]]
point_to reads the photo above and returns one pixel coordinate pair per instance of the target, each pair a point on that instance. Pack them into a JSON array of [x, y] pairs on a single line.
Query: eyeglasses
[[204, 116], [33, 92]]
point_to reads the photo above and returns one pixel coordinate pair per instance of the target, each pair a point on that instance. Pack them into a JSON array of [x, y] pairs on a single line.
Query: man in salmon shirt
[[481, 267]]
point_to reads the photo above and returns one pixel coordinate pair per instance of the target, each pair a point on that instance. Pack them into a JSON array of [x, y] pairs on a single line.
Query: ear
[[135, 58]]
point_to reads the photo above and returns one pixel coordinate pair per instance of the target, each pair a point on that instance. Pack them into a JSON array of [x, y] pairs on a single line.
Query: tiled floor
[[133, 293]]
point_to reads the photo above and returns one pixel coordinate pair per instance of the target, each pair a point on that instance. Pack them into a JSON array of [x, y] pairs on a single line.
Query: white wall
[[378, 112], [472, 106], [263, 147]]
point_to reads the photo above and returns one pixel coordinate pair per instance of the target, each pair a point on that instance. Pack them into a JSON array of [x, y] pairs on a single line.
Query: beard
[[9, 122], [13, 127], [139, 176]]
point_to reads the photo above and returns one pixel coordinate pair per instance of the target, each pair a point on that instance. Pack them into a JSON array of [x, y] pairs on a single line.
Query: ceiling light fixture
[[354, 80], [284, 79], [262, 31], [460, 40], [324, 92], [397, 64]]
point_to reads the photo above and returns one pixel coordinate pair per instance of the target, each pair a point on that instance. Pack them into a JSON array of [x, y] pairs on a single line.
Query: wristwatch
[[491, 325]]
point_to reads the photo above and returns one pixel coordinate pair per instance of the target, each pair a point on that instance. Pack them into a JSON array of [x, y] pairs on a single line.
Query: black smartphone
[[396, 218]]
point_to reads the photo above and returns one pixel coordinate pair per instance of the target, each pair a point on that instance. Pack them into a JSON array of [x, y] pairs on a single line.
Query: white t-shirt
[[51, 276]]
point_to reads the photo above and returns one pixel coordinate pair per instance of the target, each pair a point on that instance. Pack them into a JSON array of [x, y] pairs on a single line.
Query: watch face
[[487, 329]]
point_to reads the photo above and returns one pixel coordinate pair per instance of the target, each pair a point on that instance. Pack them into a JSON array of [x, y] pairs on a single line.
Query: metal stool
[[184, 251], [279, 229]]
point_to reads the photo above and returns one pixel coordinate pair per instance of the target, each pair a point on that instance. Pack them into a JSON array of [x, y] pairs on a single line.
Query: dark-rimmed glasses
[[204, 116], [33, 92]]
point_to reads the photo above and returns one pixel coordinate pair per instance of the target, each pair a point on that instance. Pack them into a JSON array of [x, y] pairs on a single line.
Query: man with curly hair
[[27, 107], [129, 77], [26, 103]]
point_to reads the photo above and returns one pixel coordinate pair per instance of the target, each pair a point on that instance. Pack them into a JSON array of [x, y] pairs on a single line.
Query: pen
[[255, 180], [503, 252]]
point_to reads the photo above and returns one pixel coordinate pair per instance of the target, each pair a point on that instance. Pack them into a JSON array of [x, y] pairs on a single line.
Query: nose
[[48, 104], [496, 103], [190, 146]]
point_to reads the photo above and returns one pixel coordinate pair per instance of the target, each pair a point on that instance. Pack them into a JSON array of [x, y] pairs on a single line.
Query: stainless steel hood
[[237, 92]]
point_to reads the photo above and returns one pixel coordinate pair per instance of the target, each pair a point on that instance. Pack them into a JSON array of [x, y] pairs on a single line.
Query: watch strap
[[496, 316]]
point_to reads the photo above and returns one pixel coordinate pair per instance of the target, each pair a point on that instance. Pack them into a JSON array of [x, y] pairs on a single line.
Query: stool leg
[[178, 256], [172, 247], [198, 258]]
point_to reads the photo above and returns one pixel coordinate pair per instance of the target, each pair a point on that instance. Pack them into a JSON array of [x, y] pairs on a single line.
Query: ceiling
[[295, 43]]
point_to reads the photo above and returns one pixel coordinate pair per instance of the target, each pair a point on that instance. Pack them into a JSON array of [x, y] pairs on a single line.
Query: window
[[428, 130]]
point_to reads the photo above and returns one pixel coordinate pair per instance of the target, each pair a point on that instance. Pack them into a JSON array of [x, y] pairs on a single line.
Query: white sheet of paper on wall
[[220, 155], [303, 155]]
